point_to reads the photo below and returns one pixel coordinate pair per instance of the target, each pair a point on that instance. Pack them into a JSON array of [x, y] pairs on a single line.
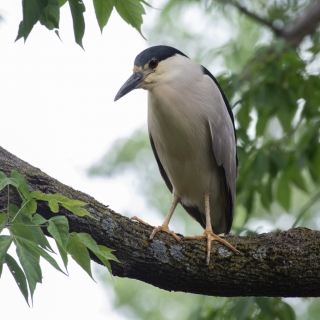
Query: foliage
[[47, 12], [274, 91], [25, 226]]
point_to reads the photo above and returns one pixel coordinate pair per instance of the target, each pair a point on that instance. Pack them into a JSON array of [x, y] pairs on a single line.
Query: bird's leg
[[165, 226], [208, 233]]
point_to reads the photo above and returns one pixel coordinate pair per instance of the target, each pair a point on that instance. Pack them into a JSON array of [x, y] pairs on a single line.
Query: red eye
[[153, 63]]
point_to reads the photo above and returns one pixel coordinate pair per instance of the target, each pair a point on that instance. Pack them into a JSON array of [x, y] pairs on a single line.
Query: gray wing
[[192, 211], [224, 150]]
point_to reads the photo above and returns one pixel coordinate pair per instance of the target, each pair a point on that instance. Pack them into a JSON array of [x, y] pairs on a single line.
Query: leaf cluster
[[47, 12], [25, 227], [276, 103]]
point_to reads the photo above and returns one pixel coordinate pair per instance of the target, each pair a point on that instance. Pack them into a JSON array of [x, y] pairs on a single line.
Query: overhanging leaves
[[103, 11], [31, 10], [5, 242], [79, 253], [77, 9], [59, 229], [18, 275], [131, 11], [30, 266]]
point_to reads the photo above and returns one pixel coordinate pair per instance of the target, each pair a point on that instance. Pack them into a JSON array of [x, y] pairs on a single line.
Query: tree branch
[[303, 25], [274, 264], [294, 33]]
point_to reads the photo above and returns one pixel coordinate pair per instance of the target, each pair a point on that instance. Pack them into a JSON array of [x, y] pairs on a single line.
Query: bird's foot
[[164, 228], [141, 221], [210, 236]]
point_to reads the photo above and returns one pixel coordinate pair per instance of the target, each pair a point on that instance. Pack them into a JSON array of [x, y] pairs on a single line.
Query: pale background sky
[[58, 114]]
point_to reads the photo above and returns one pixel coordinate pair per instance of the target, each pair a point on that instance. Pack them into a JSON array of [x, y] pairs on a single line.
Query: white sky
[[58, 114]]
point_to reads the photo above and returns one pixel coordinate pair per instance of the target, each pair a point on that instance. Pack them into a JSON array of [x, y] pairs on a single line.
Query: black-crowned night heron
[[192, 135]]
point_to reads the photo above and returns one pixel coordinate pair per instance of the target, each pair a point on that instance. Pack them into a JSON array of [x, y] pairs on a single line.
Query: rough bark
[[283, 264]]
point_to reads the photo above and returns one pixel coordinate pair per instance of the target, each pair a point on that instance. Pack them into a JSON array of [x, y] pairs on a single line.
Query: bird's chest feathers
[[175, 125]]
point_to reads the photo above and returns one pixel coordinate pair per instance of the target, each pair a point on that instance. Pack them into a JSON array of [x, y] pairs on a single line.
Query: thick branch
[[293, 33], [274, 264], [303, 25]]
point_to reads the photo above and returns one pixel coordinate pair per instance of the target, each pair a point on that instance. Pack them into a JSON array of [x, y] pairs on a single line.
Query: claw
[[210, 236]]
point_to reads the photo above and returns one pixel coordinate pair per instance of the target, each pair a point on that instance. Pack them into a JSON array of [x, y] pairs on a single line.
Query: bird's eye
[[153, 63]]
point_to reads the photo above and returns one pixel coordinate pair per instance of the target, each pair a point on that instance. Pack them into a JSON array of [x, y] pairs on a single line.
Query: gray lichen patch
[[224, 252], [176, 252], [108, 226], [94, 212], [260, 253], [159, 251]]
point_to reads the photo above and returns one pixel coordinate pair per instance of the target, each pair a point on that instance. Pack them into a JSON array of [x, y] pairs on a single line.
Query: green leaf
[[23, 186], [38, 195], [261, 124], [21, 232], [38, 219], [284, 192], [41, 238], [104, 261], [31, 10], [105, 255], [297, 178], [3, 220], [63, 254], [50, 16], [29, 206], [77, 210], [53, 199], [4, 181], [30, 266], [18, 276], [103, 11], [106, 252], [87, 240], [61, 3], [56, 197], [131, 11], [13, 211], [59, 229], [20, 31], [33, 247], [77, 9], [147, 4], [79, 253], [5, 243], [54, 206]]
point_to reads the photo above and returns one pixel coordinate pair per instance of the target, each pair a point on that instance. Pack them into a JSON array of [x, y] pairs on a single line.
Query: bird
[[193, 138]]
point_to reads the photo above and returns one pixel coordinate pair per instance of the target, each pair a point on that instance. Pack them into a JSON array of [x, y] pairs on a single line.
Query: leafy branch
[[303, 25], [47, 12], [25, 226]]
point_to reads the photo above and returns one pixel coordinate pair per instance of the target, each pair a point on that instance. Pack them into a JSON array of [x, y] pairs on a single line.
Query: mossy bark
[[280, 264]]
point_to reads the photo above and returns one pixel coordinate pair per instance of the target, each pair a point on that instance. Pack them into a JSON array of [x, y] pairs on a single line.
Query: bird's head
[[151, 67]]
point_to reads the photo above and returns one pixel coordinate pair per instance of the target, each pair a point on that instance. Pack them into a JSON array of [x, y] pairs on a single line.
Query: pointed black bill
[[132, 83]]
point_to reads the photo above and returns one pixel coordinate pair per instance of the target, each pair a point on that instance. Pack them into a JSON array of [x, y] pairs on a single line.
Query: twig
[[306, 207]]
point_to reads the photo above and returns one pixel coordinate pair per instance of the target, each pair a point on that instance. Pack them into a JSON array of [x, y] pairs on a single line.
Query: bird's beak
[[132, 83]]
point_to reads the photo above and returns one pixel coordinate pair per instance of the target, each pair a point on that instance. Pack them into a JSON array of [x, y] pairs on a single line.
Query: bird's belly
[[183, 145]]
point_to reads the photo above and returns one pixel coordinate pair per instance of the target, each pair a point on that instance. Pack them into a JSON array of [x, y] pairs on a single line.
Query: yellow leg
[[165, 225], [208, 233]]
